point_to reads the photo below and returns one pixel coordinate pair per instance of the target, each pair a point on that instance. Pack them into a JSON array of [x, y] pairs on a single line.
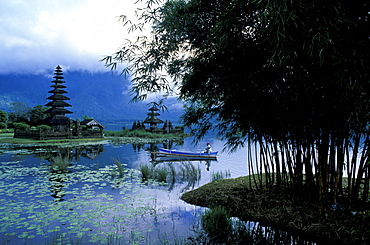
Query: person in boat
[[208, 148]]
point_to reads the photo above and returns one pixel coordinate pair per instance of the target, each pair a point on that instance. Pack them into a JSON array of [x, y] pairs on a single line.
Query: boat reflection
[[158, 158]]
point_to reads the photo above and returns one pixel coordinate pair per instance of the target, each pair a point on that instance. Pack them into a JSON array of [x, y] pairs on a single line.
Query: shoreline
[[284, 209], [7, 138]]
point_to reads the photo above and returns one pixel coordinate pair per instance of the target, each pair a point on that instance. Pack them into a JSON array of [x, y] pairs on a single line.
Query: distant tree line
[[19, 112]]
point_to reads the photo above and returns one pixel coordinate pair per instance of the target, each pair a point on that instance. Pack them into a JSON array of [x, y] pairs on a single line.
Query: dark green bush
[[44, 127], [21, 126]]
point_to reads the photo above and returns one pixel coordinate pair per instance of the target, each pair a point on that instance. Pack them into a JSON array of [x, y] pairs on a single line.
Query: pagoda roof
[[56, 120], [153, 108], [57, 103], [59, 91], [153, 114], [58, 86], [58, 97], [58, 81], [153, 120], [58, 110]]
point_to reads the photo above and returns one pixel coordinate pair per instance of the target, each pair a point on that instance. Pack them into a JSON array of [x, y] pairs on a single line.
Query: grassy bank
[[143, 134], [122, 137], [291, 210], [8, 138]]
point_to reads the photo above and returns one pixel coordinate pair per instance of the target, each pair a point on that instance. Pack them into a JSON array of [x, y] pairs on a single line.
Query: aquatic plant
[[59, 163], [161, 174], [217, 224], [87, 214], [145, 170], [119, 166], [220, 175]]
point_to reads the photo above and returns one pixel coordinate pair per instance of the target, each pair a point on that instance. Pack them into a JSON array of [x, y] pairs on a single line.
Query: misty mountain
[[102, 96]]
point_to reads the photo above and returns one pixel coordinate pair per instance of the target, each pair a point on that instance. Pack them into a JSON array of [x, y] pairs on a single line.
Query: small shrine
[[153, 121], [152, 118], [61, 127]]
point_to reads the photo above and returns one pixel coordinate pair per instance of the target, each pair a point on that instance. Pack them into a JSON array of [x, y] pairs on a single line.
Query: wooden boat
[[187, 154]]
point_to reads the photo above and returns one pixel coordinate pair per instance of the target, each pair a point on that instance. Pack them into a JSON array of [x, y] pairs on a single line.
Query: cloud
[[37, 35]]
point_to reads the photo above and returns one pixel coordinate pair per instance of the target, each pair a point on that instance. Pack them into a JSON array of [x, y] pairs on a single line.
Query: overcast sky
[[38, 35]]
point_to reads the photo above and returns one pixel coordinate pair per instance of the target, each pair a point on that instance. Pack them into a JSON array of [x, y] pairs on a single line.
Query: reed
[[217, 223], [59, 163], [161, 174], [146, 171], [119, 166]]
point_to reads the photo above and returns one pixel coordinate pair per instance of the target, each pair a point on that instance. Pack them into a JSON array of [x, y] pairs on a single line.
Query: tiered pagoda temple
[[153, 121], [152, 118], [57, 113], [61, 127]]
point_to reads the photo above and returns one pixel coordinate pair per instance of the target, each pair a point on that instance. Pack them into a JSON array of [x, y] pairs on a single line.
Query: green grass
[[287, 207], [170, 173], [119, 166], [142, 134], [8, 138], [217, 224], [59, 164]]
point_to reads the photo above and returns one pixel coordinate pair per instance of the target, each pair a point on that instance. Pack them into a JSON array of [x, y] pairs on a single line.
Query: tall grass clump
[[190, 172], [161, 174], [157, 173], [119, 166], [217, 223], [146, 171], [59, 164]]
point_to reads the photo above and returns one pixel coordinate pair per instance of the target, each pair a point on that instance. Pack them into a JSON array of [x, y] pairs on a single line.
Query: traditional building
[[57, 113], [152, 118], [153, 121], [61, 127]]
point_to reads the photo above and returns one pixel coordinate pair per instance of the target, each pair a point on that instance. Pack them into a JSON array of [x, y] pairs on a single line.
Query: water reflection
[[190, 174], [153, 147]]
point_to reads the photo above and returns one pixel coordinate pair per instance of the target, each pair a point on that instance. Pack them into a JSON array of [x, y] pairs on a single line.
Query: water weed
[[119, 166], [217, 224], [59, 164], [220, 175], [171, 173], [80, 211]]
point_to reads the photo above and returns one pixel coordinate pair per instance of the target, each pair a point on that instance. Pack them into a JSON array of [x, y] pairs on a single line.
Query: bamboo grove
[[288, 78], [337, 171]]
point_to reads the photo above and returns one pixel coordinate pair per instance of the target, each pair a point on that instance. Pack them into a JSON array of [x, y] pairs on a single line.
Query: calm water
[[90, 204]]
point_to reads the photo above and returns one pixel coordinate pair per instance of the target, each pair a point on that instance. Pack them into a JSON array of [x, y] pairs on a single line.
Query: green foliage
[[21, 126], [168, 173], [3, 116], [290, 76], [44, 127], [141, 134], [217, 224], [59, 164], [119, 167], [19, 112], [145, 170], [2, 125], [84, 117], [37, 113]]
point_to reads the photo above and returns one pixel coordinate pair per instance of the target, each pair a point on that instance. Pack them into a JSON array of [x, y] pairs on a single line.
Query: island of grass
[[290, 209]]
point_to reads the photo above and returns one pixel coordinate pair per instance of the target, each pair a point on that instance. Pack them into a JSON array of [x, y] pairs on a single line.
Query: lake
[[90, 201]]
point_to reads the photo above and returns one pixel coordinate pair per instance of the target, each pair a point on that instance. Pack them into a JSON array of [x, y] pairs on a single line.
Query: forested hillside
[[101, 95]]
